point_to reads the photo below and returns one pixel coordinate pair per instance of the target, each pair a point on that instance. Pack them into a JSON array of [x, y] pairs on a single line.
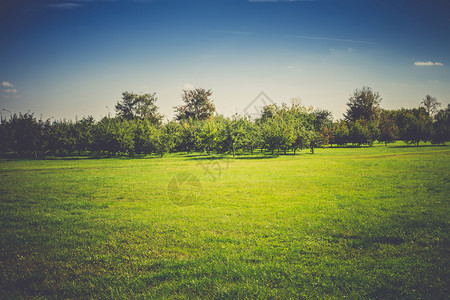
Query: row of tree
[[138, 128]]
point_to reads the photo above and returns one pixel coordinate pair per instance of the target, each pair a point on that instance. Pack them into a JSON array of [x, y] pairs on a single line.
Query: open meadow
[[370, 222]]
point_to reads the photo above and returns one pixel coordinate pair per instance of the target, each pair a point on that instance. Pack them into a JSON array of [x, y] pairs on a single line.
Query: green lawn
[[368, 222]]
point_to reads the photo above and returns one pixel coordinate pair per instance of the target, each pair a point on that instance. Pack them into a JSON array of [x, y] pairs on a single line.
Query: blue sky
[[68, 58]]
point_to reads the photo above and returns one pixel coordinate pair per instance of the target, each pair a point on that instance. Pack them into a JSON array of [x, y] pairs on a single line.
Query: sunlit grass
[[366, 222]]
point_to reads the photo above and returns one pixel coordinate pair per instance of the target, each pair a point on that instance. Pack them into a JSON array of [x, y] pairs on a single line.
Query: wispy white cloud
[[7, 84], [292, 67], [231, 32], [188, 86], [9, 89], [427, 63], [66, 5], [331, 39]]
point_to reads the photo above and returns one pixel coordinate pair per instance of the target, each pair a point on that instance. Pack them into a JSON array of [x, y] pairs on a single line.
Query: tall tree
[[252, 135], [388, 127], [25, 134], [430, 104], [83, 132], [415, 125], [143, 137], [139, 106], [321, 124], [363, 104], [441, 126], [340, 135], [363, 132], [232, 133], [198, 105], [189, 140], [208, 135]]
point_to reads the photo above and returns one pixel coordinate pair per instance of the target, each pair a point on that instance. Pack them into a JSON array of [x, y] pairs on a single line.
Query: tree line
[[138, 128]]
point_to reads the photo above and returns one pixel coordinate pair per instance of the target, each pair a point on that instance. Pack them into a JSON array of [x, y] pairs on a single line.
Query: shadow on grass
[[266, 156], [230, 157], [415, 146]]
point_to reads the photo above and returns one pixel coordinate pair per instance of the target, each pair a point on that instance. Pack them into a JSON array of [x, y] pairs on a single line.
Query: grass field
[[368, 222]]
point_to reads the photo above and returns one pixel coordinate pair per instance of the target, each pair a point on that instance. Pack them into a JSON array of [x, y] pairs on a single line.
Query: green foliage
[[61, 137], [340, 133], [321, 133], [441, 127], [138, 129], [362, 132], [415, 125], [232, 133], [252, 136], [189, 135], [430, 104], [389, 131], [143, 136], [198, 105], [363, 104], [208, 135], [135, 106]]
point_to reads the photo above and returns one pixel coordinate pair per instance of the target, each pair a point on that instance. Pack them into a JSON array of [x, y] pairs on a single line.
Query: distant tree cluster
[[138, 128], [365, 122]]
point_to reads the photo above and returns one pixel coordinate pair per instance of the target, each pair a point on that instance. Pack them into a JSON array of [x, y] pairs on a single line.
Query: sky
[[65, 59]]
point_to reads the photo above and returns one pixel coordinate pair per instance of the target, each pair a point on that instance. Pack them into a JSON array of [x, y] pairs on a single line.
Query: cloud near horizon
[[188, 86], [427, 63], [66, 5], [331, 39], [9, 88]]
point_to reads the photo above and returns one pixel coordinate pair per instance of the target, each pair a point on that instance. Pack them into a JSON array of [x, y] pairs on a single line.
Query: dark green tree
[[387, 125], [340, 133], [138, 106], [234, 133], [441, 126], [208, 135], [188, 140], [363, 132], [197, 105], [363, 104], [23, 134], [322, 122], [430, 104], [252, 138], [83, 134], [415, 125]]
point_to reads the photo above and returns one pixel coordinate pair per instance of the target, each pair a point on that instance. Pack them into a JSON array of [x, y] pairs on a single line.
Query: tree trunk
[[312, 150]]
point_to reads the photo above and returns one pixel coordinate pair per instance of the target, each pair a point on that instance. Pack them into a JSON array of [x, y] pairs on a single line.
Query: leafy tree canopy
[[363, 104], [198, 105], [138, 106], [430, 104]]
